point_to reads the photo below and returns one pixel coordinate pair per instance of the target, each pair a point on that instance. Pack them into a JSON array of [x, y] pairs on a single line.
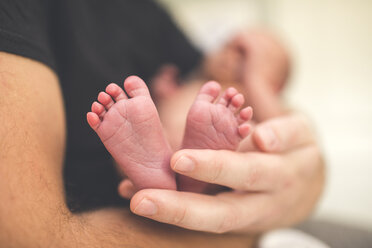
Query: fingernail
[[184, 164], [146, 207], [269, 138]]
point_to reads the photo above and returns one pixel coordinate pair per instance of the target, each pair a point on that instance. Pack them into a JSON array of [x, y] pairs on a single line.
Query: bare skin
[[256, 63], [214, 124], [277, 176], [33, 212], [31, 168], [131, 131]]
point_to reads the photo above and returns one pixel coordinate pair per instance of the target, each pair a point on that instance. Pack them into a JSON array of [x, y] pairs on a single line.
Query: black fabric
[[90, 43]]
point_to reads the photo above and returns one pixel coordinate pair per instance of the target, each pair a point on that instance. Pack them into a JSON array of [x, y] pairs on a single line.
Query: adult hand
[[276, 187]]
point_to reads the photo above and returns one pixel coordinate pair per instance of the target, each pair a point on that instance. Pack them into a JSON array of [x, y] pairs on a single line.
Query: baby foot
[[214, 125], [131, 131]]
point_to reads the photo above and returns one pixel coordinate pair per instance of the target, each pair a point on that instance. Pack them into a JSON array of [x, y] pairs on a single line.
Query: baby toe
[[93, 120], [98, 109], [209, 92], [135, 86], [227, 96], [245, 114], [116, 92], [244, 130], [236, 102], [105, 99]]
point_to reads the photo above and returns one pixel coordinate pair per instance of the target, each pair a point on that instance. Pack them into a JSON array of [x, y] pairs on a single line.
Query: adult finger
[[196, 211], [283, 133], [241, 171]]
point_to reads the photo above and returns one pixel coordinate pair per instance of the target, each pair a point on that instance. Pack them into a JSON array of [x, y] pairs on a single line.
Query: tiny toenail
[[146, 207], [184, 164], [269, 138]]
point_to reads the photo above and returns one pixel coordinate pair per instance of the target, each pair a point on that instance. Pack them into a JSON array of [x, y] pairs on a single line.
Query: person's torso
[[95, 43]]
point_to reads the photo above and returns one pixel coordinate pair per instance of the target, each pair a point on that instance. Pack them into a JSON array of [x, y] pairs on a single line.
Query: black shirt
[[90, 43]]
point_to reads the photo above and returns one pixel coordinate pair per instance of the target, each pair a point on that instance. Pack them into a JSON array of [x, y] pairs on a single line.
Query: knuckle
[[179, 216], [228, 222], [216, 170], [287, 178], [302, 125], [314, 163], [252, 175], [282, 173], [303, 121], [251, 178]]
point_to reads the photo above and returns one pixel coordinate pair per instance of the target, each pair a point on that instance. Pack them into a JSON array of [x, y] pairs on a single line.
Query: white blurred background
[[331, 43]]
